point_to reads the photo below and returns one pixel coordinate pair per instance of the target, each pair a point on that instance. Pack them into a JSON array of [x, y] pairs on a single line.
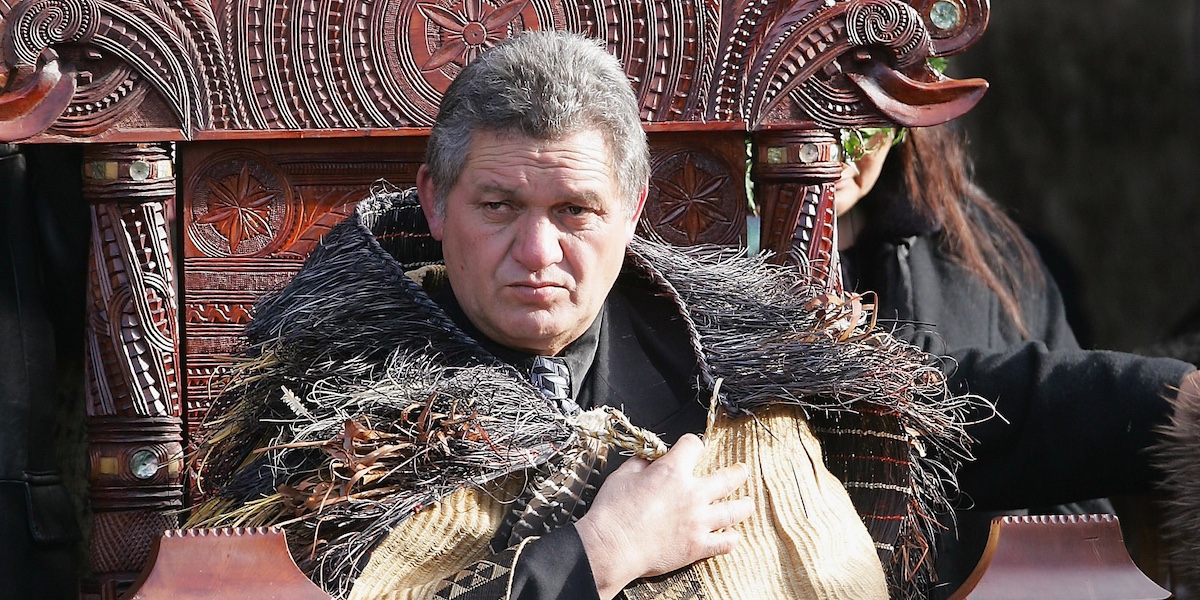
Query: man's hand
[[652, 518]]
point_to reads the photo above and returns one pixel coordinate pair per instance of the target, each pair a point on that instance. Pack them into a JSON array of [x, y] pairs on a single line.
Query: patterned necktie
[[551, 376]]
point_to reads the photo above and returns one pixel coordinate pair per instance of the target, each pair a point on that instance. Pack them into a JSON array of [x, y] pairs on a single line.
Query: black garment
[[554, 566], [1078, 422], [640, 364], [37, 520]]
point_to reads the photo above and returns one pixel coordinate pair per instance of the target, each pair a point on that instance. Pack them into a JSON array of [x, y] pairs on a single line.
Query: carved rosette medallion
[[240, 206], [694, 199], [434, 39]]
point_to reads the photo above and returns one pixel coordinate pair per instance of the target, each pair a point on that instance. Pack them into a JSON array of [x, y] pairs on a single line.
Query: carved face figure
[[534, 235]]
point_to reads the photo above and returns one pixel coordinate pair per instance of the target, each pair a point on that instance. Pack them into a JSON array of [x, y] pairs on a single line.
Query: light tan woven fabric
[[805, 539], [434, 544]]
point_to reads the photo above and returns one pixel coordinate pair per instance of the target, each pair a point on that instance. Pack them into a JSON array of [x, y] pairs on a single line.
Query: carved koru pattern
[[35, 25], [807, 71], [172, 46], [696, 198]]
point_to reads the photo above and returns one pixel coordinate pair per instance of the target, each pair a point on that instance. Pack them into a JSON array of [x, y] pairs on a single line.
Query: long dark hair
[[936, 173]]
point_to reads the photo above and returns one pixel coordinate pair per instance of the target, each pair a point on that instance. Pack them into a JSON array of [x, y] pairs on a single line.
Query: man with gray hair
[[428, 406], [534, 182], [536, 175]]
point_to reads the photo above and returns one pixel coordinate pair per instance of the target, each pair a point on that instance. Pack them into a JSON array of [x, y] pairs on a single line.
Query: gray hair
[[544, 85]]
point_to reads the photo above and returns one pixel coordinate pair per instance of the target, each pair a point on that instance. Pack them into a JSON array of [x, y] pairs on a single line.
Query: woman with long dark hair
[[954, 275]]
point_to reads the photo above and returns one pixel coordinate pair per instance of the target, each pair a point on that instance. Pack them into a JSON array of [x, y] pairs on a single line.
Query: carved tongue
[[913, 103]]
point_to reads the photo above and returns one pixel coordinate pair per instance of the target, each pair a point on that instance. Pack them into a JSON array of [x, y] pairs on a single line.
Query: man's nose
[[538, 243]]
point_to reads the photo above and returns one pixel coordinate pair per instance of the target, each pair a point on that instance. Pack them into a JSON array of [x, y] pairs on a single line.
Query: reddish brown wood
[[794, 173], [914, 103], [354, 64], [1066, 557], [251, 217], [30, 107], [133, 402], [956, 38], [229, 564], [697, 194]]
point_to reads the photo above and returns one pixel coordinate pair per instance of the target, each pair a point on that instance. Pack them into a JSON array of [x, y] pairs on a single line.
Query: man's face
[[534, 235]]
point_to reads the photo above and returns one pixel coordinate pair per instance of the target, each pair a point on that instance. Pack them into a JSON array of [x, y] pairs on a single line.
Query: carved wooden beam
[[155, 70]]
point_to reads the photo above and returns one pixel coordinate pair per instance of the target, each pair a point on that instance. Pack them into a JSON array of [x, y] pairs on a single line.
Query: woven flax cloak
[[359, 402]]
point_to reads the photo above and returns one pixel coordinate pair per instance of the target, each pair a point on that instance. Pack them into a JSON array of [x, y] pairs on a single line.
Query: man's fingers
[[723, 515], [722, 542], [685, 454], [723, 482]]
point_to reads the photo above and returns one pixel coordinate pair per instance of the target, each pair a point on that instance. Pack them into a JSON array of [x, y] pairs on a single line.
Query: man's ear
[[428, 197], [637, 210]]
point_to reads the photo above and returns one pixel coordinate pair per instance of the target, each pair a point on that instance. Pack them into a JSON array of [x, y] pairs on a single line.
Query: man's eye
[[576, 211], [493, 206]]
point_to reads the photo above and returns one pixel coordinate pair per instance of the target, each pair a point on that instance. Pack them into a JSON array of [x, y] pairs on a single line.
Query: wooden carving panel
[[212, 69], [698, 189], [251, 216], [132, 347]]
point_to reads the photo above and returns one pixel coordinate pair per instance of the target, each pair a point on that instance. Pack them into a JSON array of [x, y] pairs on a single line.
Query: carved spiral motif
[[37, 25], [888, 23]]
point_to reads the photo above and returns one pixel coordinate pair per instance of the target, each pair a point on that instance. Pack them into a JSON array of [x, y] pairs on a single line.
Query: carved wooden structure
[[229, 564], [1088, 551], [275, 115]]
